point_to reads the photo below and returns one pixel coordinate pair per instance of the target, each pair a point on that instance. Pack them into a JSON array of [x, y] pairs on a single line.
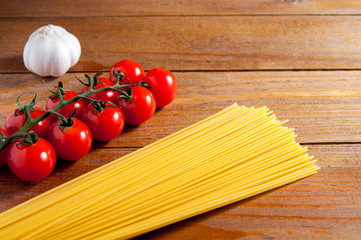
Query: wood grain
[[302, 210], [43, 8], [331, 157], [198, 42], [316, 206], [253, 52], [313, 102]]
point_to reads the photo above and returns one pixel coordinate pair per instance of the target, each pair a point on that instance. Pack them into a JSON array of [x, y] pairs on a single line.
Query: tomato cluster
[[162, 90], [68, 133]]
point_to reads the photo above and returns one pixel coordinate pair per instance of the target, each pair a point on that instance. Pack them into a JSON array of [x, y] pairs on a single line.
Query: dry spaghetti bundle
[[234, 154]]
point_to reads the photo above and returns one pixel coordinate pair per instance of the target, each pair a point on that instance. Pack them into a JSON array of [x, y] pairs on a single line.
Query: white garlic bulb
[[51, 51]]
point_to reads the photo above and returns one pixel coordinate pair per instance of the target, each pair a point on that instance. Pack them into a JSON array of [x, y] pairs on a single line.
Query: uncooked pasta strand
[[233, 154]]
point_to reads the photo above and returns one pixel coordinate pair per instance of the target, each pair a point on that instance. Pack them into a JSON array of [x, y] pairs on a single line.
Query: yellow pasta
[[234, 154]]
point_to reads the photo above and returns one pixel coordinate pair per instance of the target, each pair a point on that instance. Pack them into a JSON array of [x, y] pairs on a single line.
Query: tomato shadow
[[10, 178], [61, 165], [158, 109], [130, 128]]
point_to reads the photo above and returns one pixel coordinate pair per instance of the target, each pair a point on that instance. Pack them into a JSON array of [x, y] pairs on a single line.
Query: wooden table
[[302, 59]]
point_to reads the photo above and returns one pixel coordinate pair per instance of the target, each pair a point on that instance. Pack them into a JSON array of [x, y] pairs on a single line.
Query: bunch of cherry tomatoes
[[103, 119]]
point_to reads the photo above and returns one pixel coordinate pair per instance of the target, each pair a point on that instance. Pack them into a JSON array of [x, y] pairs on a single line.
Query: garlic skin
[[51, 51]]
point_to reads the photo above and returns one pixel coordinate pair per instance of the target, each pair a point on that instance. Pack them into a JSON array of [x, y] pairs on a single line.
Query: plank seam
[[221, 70], [195, 15], [302, 144]]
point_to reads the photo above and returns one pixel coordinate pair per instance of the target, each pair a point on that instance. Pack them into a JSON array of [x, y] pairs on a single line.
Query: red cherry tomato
[[143, 108], [69, 109], [104, 125], [106, 95], [3, 152], [73, 143], [163, 85], [133, 72], [31, 163], [15, 123]]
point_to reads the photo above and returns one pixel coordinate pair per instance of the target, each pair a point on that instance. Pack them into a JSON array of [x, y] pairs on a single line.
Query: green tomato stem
[[62, 103]]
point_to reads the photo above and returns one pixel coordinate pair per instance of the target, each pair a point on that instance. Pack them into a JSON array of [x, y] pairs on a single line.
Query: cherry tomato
[[31, 163], [15, 123], [104, 125], [143, 108], [133, 72], [3, 152], [106, 95], [73, 143], [69, 109], [162, 84]]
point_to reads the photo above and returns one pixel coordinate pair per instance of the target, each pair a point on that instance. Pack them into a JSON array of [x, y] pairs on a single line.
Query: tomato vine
[[91, 84]]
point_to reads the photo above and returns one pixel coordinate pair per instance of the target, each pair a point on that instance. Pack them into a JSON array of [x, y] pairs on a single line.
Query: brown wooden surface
[[194, 43], [256, 53], [19, 8]]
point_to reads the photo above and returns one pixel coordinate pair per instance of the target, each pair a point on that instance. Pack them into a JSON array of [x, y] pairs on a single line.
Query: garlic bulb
[[51, 51]]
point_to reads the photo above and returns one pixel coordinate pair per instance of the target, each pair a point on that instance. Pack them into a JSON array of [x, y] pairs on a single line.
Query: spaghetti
[[234, 154]]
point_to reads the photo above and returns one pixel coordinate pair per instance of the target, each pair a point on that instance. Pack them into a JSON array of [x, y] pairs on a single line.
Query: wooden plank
[[313, 102], [198, 42], [318, 206], [14, 191], [42, 8]]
